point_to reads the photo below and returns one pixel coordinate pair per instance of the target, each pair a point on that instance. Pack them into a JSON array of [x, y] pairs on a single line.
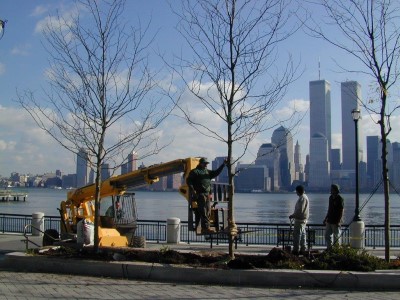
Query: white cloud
[[3, 145], [293, 106], [336, 140], [27, 149], [21, 50], [39, 10], [67, 15], [369, 126]]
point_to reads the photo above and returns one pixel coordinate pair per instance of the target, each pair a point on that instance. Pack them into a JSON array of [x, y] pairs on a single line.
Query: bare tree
[[100, 84], [234, 72], [369, 32]]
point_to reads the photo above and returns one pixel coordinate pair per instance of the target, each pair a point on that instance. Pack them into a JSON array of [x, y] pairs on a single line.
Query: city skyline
[[267, 174], [23, 64]]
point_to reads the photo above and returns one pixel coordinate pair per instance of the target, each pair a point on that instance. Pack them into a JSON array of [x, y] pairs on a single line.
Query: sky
[[26, 149]]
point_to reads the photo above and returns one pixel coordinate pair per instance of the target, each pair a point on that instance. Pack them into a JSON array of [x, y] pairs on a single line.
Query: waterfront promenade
[[65, 279], [34, 286]]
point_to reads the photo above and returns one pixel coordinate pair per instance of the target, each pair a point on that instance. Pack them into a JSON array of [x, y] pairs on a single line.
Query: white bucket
[[85, 232], [173, 230]]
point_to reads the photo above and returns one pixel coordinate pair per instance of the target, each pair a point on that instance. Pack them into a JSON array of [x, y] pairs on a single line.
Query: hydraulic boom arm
[[118, 185]]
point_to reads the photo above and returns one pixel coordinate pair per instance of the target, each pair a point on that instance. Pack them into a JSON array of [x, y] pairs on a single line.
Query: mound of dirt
[[276, 258]]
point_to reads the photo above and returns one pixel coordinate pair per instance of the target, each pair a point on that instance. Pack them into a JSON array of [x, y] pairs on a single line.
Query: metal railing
[[251, 233]]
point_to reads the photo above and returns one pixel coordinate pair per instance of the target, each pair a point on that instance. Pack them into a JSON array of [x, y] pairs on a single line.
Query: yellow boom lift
[[118, 227]]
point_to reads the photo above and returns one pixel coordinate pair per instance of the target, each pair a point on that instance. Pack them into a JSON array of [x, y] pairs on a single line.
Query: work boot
[[198, 230], [208, 230]]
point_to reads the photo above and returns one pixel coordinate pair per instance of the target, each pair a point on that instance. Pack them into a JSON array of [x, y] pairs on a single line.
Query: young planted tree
[[368, 30], [99, 92], [235, 77]]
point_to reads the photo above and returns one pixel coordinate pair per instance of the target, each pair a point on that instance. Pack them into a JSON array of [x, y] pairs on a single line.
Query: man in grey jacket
[[300, 216]]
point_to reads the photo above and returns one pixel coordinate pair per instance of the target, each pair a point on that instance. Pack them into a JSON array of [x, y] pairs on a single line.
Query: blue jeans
[[332, 234], [299, 236]]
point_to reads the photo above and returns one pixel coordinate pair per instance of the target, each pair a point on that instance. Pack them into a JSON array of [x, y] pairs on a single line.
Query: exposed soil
[[276, 258]]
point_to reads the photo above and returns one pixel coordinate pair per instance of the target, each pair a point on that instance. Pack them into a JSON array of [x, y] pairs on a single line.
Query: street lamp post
[[355, 113], [357, 227]]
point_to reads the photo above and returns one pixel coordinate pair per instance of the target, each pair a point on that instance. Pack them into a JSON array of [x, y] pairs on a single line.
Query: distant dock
[[10, 195]]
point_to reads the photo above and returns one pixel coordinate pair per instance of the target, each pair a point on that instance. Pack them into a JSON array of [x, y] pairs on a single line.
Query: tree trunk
[[385, 177], [97, 208], [231, 218]]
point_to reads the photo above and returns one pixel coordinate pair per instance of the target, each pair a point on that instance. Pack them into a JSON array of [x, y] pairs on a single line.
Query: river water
[[251, 208]]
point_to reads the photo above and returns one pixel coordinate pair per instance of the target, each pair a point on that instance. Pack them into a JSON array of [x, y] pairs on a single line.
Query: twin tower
[[322, 156], [283, 165]]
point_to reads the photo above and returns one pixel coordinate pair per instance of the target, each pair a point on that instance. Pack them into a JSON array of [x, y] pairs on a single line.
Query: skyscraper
[[320, 109], [373, 159], [395, 169], [319, 176], [298, 166], [105, 171], [335, 159], [223, 176], [82, 162], [131, 163], [351, 97], [283, 140], [252, 178], [174, 181], [268, 155], [320, 134]]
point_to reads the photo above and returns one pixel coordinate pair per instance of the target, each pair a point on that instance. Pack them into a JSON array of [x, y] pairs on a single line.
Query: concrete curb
[[378, 280]]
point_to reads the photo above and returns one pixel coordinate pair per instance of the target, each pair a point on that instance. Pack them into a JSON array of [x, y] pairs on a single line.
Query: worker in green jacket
[[199, 182]]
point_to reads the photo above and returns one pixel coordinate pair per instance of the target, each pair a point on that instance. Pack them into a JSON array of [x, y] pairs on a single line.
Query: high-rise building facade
[[394, 170], [320, 109], [130, 164], [223, 176], [320, 134], [69, 181], [105, 171], [298, 166], [319, 176], [335, 159], [251, 178], [373, 159], [174, 181], [283, 140], [268, 155], [82, 163], [351, 99]]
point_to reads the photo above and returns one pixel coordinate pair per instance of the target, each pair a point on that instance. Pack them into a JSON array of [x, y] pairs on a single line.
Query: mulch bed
[[275, 259]]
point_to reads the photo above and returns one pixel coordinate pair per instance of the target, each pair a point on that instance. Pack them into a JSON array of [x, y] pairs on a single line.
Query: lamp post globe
[[2, 25]]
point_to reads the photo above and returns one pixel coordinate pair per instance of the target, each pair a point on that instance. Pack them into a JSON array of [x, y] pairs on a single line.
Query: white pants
[[299, 236]]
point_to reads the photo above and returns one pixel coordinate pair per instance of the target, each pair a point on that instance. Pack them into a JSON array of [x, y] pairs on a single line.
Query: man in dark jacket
[[199, 182], [334, 216]]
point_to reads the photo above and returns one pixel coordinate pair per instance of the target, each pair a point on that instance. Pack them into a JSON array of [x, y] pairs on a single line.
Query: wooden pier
[[9, 195]]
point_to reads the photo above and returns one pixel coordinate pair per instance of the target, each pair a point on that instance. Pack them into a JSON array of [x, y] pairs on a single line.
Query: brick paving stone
[[48, 286]]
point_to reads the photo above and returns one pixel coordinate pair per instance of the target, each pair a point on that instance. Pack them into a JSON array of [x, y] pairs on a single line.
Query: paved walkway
[[162, 285], [48, 286]]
